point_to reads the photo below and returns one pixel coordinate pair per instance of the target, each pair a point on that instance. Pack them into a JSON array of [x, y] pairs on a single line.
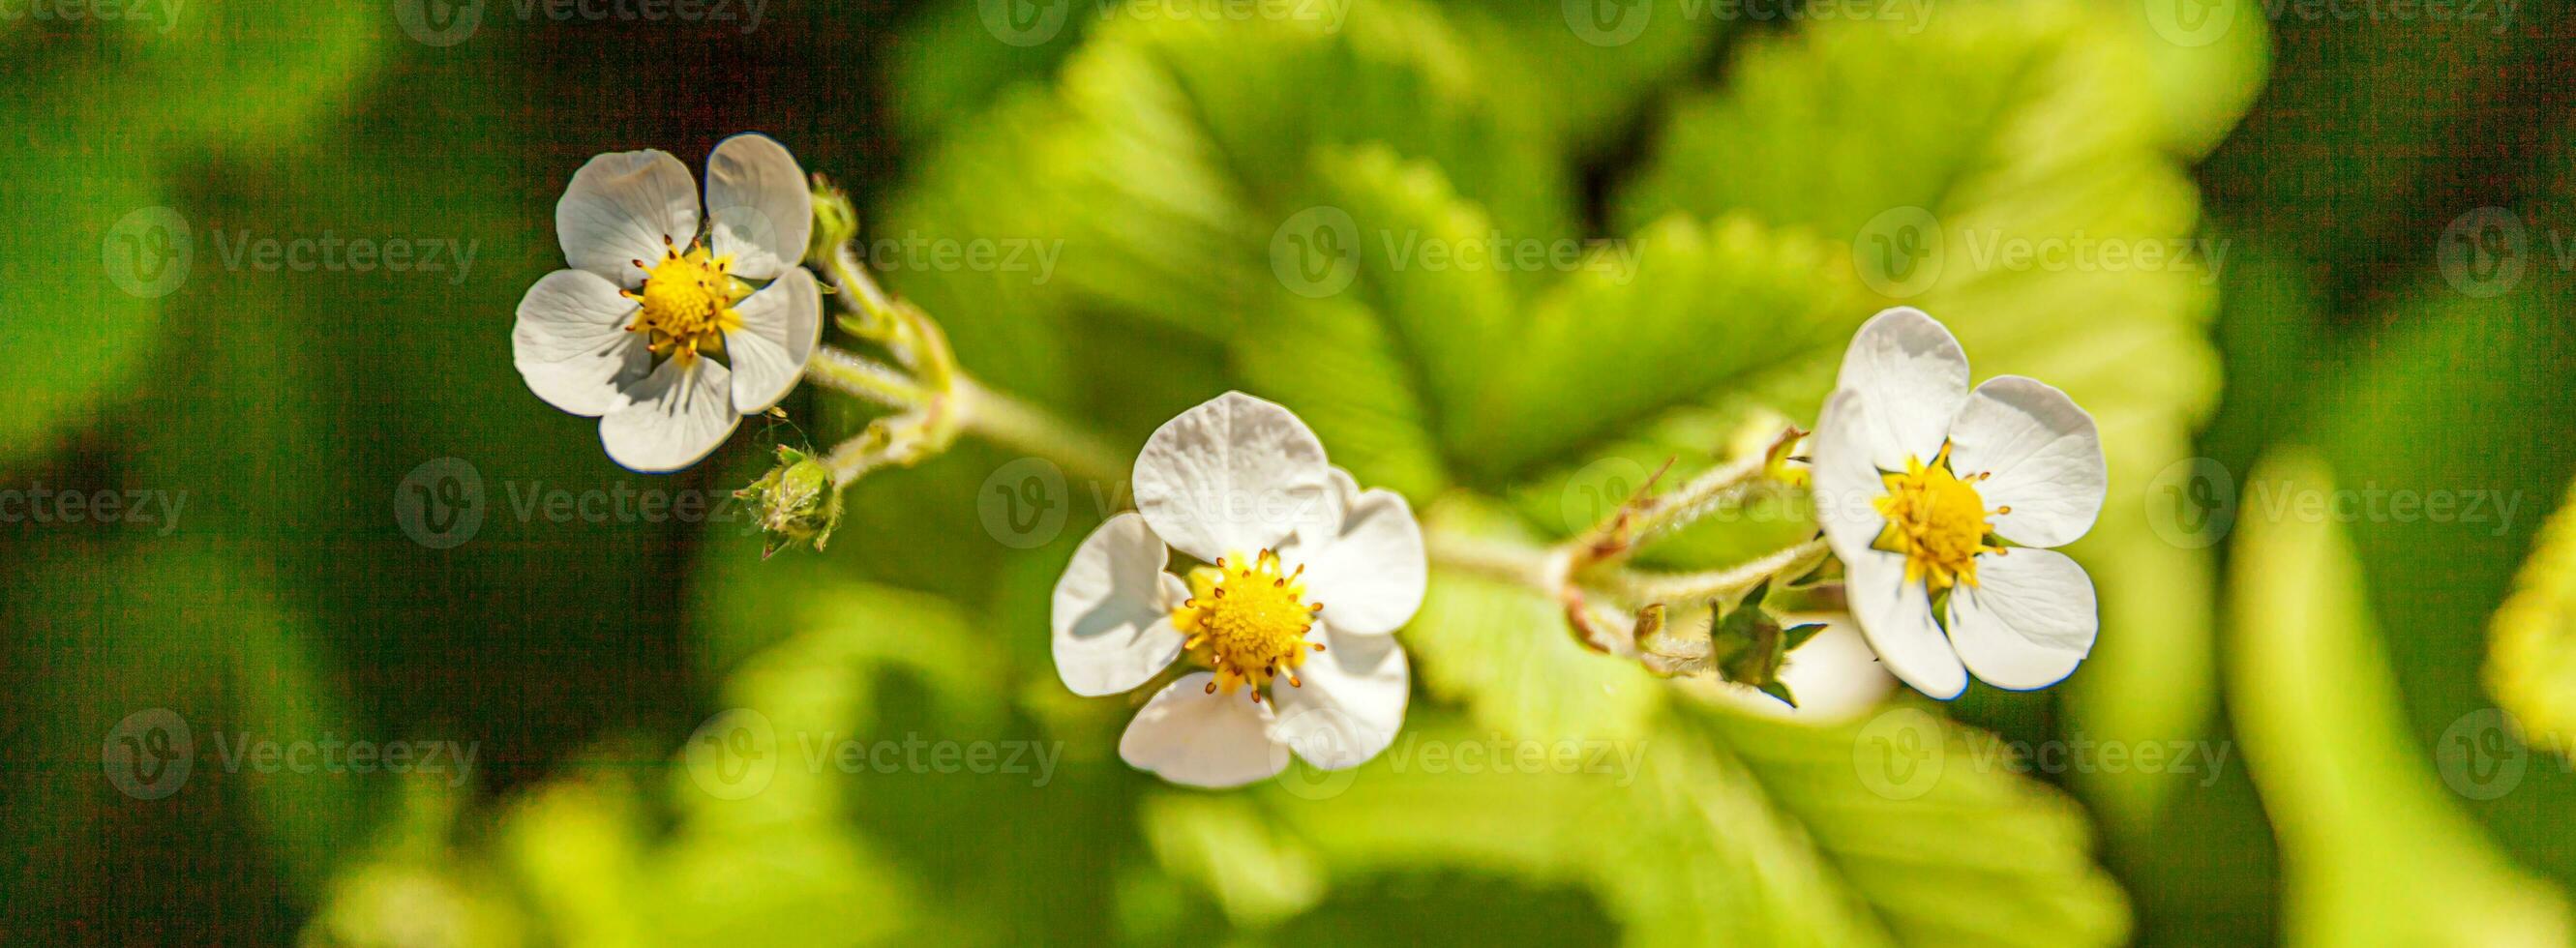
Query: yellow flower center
[[687, 301], [1248, 621], [1937, 520]]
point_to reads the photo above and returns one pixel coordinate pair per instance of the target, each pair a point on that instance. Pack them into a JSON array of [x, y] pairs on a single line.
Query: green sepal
[[795, 502]]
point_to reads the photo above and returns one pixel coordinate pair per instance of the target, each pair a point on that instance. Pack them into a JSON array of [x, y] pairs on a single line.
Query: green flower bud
[[795, 502], [1750, 646], [836, 222]]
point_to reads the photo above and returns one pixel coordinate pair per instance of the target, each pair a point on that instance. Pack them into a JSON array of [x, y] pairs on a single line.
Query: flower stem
[[1020, 426], [1693, 500], [1551, 570], [936, 399], [1642, 587], [1515, 563], [853, 374]]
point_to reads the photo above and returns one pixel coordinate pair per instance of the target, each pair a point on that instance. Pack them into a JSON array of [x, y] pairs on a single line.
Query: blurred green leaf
[[99, 242], [2206, 62], [1710, 828], [108, 639], [2531, 658], [2325, 738], [97, 251]]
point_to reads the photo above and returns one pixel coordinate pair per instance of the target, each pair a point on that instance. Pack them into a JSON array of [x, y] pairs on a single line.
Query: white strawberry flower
[[1933, 495], [1290, 620], [654, 330]]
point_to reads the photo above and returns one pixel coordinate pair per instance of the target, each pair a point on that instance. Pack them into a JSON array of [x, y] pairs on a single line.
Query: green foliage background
[[1743, 162]]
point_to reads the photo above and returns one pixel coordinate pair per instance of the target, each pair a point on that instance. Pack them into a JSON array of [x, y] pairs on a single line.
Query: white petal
[[1834, 676], [1113, 622], [1338, 501], [1231, 477], [1846, 477], [1348, 703], [571, 343], [619, 208], [781, 325], [2045, 455], [675, 416], [1369, 575], [2028, 621], [1188, 736], [1911, 376], [760, 206], [1896, 617]]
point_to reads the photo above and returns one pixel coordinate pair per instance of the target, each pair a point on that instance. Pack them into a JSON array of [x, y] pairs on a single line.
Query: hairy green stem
[[1552, 571], [1692, 501], [937, 399], [1020, 426], [1675, 588], [852, 374], [1520, 564]]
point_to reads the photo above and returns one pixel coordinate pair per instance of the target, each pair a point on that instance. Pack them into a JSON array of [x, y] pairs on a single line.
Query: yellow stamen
[[1248, 622], [687, 301], [1936, 519]]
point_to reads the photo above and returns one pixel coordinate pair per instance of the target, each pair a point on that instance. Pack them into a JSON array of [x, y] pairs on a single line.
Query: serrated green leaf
[[1991, 126], [1713, 828], [1670, 320]]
